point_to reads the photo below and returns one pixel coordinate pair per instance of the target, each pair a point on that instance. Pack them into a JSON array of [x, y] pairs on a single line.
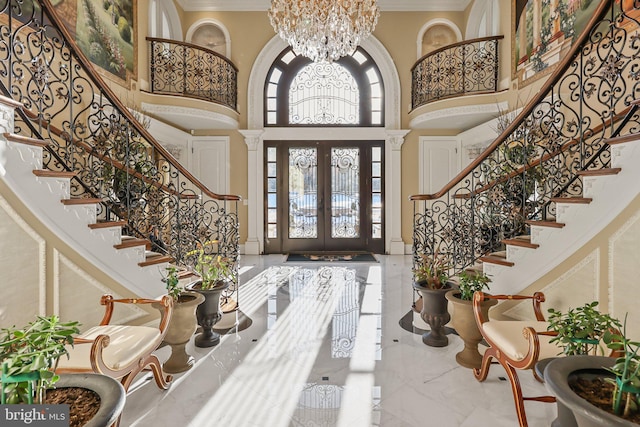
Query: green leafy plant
[[31, 353], [212, 268], [432, 270], [626, 370], [471, 283], [172, 283], [580, 330]]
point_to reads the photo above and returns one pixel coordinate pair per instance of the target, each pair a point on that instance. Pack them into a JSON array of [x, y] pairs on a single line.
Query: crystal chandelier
[[324, 30]]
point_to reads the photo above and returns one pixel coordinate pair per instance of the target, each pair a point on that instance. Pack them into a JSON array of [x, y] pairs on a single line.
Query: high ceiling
[[385, 5]]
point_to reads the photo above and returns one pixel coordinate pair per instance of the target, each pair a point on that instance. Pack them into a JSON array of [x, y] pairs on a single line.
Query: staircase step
[[492, 259], [521, 241], [155, 258], [81, 201], [10, 102], [573, 200], [130, 242], [600, 172], [26, 140], [623, 138], [46, 173], [552, 224], [107, 224]]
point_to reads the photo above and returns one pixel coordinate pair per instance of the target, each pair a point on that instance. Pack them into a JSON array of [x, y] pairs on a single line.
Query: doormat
[[328, 257]]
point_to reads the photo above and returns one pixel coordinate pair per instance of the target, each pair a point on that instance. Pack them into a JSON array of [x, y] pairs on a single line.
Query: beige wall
[[606, 269], [44, 276]]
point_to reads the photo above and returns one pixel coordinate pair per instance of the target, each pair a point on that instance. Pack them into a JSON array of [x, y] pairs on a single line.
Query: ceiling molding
[[263, 5]]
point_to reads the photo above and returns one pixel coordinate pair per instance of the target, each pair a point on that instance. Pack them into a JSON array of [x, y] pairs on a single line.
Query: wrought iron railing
[[541, 153], [470, 66], [94, 134], [185, 69]]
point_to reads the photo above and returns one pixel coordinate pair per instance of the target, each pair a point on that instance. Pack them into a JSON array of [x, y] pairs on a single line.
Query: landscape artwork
[[544, 33], [105, 32]]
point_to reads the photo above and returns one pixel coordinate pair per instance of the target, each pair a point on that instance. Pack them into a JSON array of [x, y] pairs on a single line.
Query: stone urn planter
[[464, 322], [111, 392], [556, 376], [434, 312], [182, 326], [208, 312]]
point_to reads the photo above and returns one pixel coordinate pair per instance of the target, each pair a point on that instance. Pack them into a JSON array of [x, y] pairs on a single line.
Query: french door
[[324, 196]]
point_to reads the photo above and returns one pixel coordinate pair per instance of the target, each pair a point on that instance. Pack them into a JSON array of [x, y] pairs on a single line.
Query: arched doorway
[[390, 136]]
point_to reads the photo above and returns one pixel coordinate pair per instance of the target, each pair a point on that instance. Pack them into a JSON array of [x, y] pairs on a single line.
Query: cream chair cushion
[[126, 345], [507, 336]]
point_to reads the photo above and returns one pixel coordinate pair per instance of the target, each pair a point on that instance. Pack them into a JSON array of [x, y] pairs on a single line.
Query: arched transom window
[[348, 92]]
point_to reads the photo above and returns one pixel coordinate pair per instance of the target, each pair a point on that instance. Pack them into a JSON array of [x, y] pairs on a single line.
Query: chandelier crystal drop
[[324, 30]]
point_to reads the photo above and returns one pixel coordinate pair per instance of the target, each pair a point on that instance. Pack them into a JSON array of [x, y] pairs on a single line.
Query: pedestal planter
[[434, 312], [111, 392], [465, 325], [208, 313], [556, 376], [182, 326]]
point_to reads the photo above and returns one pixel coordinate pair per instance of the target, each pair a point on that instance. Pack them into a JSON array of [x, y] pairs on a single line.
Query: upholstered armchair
[[120, 351], [517, 345]]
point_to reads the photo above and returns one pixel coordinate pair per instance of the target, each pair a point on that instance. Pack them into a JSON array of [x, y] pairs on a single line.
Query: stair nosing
[[158, 259], [46, 173], [552, 224], [631, 137], [521, 243], [495, 260], [27, 140], [131, 243], [107, 224], [573, 200], [80, 201], [600, 172]]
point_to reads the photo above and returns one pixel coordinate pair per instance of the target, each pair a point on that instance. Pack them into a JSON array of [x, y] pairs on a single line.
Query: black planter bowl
[[556, 376]]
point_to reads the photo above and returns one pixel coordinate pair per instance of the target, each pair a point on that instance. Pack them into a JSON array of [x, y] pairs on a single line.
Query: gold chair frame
[[509, 364], [126, 374]]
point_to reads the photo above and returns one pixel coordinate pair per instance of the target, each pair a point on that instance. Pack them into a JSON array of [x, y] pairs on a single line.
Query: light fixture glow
[[324, 30]]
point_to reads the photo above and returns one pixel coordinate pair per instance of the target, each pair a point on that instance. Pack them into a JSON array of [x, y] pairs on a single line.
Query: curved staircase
[[46, 194]]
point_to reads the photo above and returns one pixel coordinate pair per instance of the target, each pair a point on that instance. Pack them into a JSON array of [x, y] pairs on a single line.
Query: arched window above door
[[348, 92]]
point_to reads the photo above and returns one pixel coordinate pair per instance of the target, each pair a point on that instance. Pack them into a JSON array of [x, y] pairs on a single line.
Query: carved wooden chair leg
[[481, 374], [163, 382]]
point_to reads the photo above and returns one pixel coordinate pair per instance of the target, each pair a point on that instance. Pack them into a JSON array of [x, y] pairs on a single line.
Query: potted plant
[[215, 273], [599, 390], [579, 331], [29, 357], [183, 322], [431, 281], [463, 318]]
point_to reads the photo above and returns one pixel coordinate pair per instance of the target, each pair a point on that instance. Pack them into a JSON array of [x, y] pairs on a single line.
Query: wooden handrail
[[93, 75], [193, 46], [602, 8], [451, 46], [537, 161]]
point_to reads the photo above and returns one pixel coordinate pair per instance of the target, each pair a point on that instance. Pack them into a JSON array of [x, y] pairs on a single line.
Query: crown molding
[[263, 5]]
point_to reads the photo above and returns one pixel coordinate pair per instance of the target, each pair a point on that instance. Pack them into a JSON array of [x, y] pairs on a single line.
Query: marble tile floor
[[325, 348]]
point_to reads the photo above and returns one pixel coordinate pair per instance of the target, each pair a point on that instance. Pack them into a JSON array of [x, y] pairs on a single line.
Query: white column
[[393, 191], [254, 200]]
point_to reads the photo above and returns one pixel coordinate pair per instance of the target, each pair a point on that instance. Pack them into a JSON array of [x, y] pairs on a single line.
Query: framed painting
[[543, 33], [105, 31]]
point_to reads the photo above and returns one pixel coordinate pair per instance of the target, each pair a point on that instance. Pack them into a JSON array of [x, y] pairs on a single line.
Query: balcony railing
[[543, 152], [92, 133], [186, 69], [459, 69]]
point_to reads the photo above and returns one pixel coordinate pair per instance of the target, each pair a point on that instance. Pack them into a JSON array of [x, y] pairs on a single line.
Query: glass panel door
[[327, 198]]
